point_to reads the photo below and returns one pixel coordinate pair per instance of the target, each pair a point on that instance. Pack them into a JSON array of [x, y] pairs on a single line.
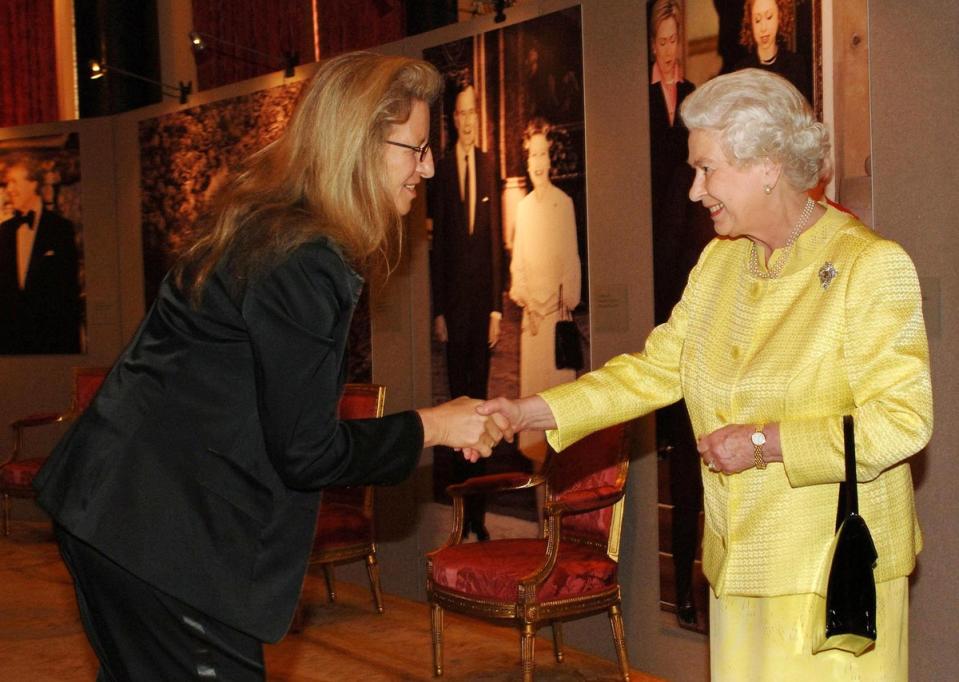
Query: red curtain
[[347, 25], [272, 28], [282, 26], [28, 63]]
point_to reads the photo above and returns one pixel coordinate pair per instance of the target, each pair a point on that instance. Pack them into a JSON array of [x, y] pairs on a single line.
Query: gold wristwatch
[[759, 442]]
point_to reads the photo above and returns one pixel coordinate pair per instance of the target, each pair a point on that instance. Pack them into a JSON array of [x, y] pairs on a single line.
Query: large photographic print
[[42, 308], [507, 209]]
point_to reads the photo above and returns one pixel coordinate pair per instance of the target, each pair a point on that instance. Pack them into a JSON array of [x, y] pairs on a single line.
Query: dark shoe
[[686, 614], [482, 535]]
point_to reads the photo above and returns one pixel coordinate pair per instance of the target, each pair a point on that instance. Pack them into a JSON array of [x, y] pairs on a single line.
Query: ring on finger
[[711, 466]]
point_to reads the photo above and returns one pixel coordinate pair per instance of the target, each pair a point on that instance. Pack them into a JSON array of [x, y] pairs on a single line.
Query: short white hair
[[760, 115]]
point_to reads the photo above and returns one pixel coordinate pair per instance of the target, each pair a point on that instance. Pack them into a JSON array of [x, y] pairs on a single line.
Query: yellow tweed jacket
[[791, 350]]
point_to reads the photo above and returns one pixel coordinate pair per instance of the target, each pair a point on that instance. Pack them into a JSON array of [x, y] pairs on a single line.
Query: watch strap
[[758, 449]]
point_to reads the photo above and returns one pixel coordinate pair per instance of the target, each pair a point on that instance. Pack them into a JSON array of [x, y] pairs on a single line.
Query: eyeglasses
[[422, 151]]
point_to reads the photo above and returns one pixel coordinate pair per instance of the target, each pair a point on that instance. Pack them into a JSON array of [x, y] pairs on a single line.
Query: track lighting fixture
[[181, 91], [202, 41]]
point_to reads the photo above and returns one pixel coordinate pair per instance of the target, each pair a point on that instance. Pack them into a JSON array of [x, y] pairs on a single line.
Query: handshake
[[475, 427]]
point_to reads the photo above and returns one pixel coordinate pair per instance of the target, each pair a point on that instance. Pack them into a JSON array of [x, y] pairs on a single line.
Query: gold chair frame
[[527, 612], [19, 426], [328, 558]]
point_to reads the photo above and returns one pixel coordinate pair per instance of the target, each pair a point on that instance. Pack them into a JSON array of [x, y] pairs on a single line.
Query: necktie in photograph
[[25, 218], [467, 193]]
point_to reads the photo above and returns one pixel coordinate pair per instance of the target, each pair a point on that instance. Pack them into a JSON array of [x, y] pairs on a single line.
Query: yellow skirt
[[753, 639]]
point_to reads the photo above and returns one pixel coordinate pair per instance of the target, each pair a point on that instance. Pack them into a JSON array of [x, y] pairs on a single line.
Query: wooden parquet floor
[[41, 639]]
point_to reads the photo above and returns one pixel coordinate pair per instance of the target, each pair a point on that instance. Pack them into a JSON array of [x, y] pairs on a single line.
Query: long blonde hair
[[325, 175]]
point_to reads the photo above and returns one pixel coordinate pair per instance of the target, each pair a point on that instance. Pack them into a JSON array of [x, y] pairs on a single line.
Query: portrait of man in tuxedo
[[39, 263], [466, 271]]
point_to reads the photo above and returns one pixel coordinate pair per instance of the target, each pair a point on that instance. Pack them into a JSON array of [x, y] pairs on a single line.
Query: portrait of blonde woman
[[545, 265]]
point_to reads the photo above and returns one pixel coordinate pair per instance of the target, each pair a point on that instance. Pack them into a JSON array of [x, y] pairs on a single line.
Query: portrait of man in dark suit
[[39, 263], [466, 271]]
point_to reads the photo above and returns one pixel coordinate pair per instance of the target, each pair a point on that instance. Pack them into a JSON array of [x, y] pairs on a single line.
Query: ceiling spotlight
[[181, 91], [196, 42], [96, 69], [201, 41], [497, 6]]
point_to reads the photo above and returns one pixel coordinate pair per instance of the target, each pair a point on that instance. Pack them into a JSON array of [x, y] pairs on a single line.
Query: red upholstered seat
[[17, 472], [344, 525], [571, 571], [20, 474], [341, 525], [493, 570]]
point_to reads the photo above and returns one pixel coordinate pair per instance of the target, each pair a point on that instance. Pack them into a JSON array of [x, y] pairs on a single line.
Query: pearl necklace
[[777, 269]]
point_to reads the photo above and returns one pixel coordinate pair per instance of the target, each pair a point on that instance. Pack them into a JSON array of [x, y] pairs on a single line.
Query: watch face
[[759, 438]]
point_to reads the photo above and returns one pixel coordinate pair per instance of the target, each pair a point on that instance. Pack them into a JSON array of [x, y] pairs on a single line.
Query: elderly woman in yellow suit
[[795, 315]]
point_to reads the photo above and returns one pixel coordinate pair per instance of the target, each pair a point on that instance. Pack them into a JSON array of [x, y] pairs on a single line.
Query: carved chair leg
[[436, 623], [527, 649], [558, 640], [330, 584], [6, 514], [373, 569], [619, 640]]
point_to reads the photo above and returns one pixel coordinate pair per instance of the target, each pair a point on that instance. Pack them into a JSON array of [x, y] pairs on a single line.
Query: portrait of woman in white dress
[[545, 259]]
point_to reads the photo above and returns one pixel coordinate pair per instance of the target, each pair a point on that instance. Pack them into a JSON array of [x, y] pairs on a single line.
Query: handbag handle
[[848, 492], [563, 311]]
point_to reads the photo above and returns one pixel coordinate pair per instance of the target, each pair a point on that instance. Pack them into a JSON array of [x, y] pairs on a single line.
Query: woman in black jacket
[[186, 496]]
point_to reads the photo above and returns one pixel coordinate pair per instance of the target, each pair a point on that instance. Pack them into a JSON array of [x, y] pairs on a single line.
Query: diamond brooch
[[827, 273]]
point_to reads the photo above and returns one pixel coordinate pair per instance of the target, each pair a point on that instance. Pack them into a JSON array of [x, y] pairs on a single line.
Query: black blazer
[[466, 272], [788, 64], [197, 465], [668, 144], [43, 317]]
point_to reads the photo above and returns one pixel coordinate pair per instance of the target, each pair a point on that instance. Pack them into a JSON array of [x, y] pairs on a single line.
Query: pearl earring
[[767, 189]]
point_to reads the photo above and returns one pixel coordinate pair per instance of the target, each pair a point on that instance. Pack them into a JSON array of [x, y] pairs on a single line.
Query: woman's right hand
[[457, 424]]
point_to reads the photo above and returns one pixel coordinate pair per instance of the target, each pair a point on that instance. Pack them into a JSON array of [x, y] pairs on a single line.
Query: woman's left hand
[[730, 449]]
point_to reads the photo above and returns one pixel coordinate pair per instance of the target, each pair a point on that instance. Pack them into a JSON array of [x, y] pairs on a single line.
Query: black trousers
[[140, 634]]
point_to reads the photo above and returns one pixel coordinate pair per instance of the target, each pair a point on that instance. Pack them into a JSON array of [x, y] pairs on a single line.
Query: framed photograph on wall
[[507, 216], [782, 36], [42, 292]]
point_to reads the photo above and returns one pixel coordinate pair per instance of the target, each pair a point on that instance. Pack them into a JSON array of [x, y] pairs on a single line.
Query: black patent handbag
[[849, 618], [568, 352]]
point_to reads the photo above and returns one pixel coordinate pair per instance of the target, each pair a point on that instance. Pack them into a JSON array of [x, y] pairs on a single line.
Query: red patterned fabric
[[591, 525], [492, 570], [342, 525], [358, 404], [592, 463], [20, 474], [28, 63]]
